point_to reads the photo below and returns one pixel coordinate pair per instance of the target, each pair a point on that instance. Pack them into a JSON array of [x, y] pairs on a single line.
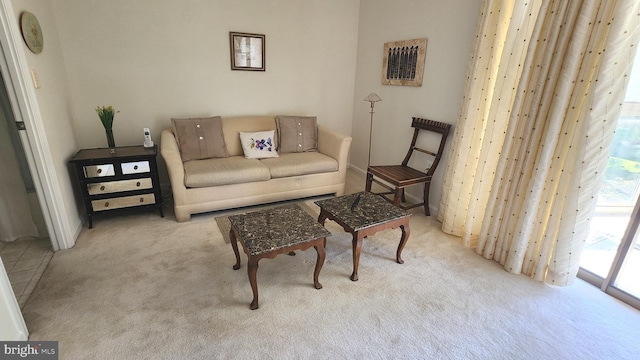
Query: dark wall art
[[403, 62]]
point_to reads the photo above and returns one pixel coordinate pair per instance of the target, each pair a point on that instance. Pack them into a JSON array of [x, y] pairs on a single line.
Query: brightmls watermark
[[40, 350]]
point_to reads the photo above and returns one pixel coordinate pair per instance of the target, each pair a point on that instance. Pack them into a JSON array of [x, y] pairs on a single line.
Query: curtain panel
[[544, 90]]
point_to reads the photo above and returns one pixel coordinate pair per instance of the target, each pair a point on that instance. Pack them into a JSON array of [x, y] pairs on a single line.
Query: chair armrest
[[171, 155], [335, 145]]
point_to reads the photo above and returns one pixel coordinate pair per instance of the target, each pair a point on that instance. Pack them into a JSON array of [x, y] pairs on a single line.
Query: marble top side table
[[363, 214], [270, 232]]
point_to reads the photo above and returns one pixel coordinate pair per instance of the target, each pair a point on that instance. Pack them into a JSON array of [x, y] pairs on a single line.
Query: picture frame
[[403, 62], [247, 51]]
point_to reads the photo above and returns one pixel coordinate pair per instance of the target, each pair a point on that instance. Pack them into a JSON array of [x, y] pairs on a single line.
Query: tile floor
[[25, 261]]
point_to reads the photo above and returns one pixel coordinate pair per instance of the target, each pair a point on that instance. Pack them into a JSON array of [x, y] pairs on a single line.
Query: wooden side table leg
[[234, 245], [357, 248], [403, 241], [319, 262], [252, 271], [321, 219]]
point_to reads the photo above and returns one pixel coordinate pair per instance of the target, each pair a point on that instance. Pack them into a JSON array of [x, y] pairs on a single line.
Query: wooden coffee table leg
[[357, 248], [321, 219], [403, 241], [252, 271], [319, 262], [234, 245]]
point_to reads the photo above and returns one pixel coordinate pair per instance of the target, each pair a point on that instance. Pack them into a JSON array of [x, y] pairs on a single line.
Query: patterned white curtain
[[544, 91]]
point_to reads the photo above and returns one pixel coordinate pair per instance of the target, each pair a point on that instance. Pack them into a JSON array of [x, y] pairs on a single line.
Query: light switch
[[34, 77]]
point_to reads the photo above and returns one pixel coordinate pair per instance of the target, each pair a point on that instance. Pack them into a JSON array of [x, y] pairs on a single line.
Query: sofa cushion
[[199, 138], [297, 133], [258, 145], [294, 164], [224, 171]]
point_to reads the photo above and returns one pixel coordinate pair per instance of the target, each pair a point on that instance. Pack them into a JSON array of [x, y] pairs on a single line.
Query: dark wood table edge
[[252, 260], [359, 235]]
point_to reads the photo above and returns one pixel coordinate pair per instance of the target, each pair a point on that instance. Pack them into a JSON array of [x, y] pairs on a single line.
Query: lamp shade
[[373, 97]]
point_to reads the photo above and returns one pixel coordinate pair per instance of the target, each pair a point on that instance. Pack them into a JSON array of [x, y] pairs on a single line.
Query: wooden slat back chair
[[401, 176]]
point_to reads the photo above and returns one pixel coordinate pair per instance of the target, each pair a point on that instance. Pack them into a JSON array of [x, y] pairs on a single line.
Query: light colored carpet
[[143, 287]]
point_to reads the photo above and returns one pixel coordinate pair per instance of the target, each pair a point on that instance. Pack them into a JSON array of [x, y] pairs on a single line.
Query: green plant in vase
[[106, 114]]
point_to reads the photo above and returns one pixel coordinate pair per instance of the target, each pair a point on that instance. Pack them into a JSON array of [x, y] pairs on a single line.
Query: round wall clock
[[31, 32]]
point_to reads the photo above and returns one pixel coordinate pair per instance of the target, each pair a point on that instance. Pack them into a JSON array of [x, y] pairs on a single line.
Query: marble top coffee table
[[270, 232], [364, 214]]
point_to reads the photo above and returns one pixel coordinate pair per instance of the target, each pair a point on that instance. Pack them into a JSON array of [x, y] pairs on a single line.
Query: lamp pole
[[370, 133], [373, 98]]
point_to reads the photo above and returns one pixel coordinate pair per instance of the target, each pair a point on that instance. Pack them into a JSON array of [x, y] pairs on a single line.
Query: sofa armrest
[[171, 155], [335, 145]]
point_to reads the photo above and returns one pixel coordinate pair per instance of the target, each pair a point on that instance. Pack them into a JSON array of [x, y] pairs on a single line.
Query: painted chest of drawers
[[125, 179]]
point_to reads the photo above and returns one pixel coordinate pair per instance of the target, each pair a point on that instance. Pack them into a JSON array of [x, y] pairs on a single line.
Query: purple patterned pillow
[[258, 145]]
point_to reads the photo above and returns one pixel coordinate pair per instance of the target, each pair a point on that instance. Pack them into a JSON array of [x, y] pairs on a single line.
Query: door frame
[[24, 104], [12, 325], [26, 109], [606, 284]]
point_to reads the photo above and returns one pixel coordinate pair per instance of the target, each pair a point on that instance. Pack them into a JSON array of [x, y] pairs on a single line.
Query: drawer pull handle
[[141, 200], [106, 204], [102, 187], [138, 184], [99, 171], [135, 167]]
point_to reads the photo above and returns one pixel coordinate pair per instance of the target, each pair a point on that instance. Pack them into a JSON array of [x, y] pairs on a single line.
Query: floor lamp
[[373, 98]]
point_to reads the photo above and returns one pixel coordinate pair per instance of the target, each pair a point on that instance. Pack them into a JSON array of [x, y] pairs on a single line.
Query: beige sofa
[[229, 182]]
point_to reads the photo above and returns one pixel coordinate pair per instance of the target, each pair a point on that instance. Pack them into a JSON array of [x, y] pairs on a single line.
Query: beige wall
[[55, 105], [450, 28], [153, 60]]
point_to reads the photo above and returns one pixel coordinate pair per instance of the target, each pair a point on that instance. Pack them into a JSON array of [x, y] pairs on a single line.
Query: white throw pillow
[[258, 145]]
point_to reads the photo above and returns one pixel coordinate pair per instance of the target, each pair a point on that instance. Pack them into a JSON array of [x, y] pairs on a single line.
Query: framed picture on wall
[[247, 51], [403, 62]]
